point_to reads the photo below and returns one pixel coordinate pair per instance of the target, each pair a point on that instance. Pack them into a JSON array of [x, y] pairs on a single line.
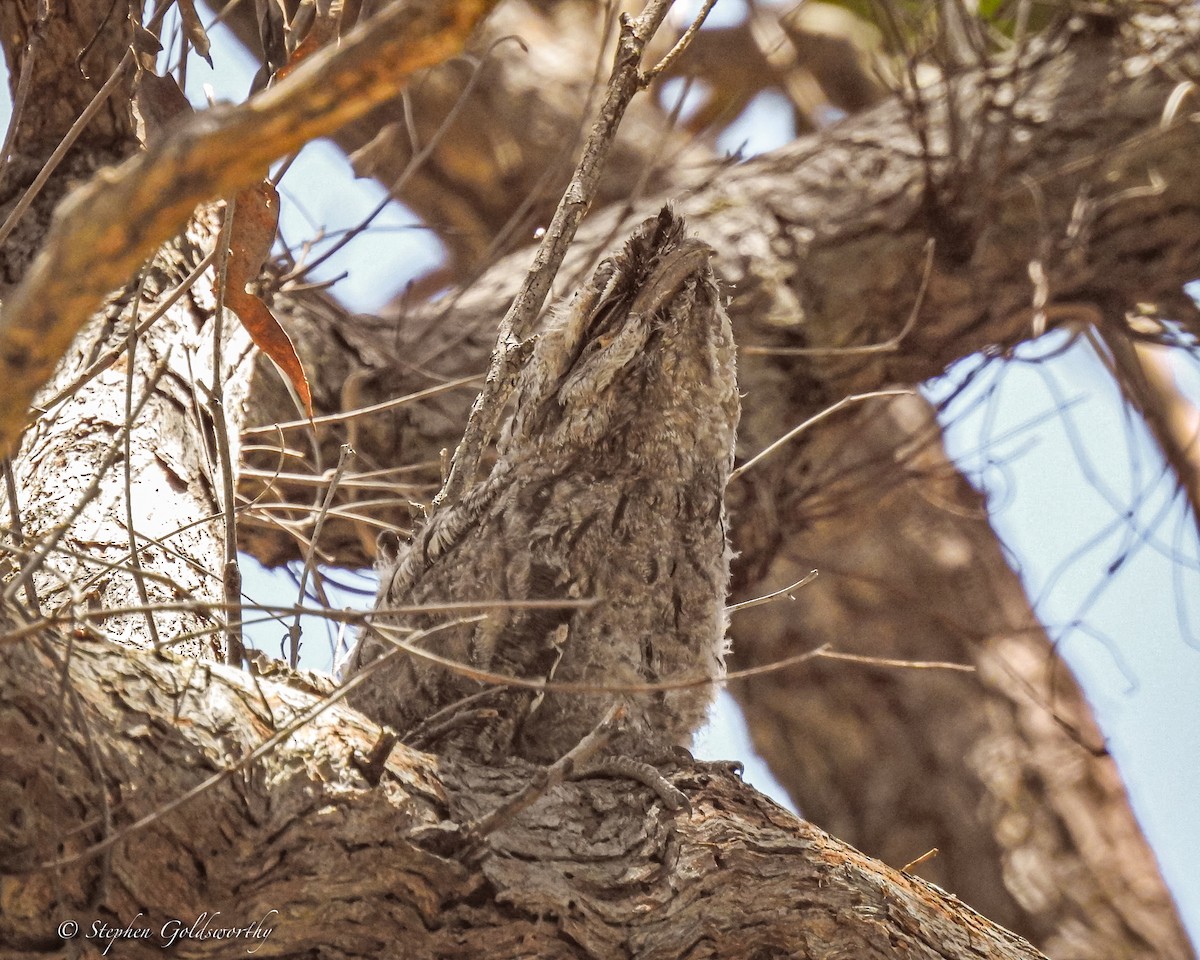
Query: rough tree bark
[[315, 807], [359, 869]]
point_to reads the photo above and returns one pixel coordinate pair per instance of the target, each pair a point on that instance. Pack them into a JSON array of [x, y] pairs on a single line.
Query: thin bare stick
[[22, 95], [18, 531], [892, 663], [518, 323], [235, 650], [927, 855], [135, 559], [548, 777], [767, 598], [682, 43], [365, 411], [813, 420], [367, 480], [310, 559], [279, 611], [429, 729], [389, 635]]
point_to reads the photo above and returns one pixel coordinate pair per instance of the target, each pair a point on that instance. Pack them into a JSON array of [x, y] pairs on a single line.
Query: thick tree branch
[[593, 869], [910, 569]]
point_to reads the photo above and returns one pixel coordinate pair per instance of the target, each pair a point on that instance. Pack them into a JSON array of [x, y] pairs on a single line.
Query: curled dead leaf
[[251, 236]]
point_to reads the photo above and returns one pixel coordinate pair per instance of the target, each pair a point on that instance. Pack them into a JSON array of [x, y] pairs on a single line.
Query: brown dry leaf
[[255, 219], [194, 28], [157, 102], [146, 46]]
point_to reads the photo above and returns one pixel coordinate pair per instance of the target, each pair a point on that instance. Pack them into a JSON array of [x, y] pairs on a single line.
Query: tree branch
[[590, 870]]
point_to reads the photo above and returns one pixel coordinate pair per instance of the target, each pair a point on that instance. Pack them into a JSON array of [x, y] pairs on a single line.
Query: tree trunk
[[167, 467]]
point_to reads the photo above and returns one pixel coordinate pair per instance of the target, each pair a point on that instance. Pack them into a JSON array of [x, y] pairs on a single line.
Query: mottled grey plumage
[[609, 485]]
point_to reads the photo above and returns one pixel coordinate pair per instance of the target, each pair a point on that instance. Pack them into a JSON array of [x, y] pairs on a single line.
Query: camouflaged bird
[[609, 485]]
